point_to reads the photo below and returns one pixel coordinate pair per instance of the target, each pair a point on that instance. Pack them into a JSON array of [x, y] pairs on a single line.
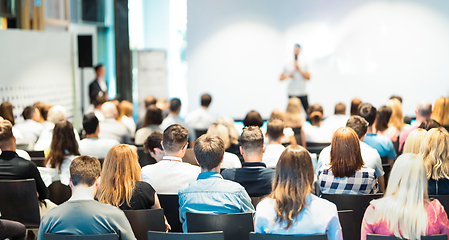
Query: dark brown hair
[[252, 139], [340, 108], [153, 116], [429, 124], [358, 124], [6, 112], [382, 118], [84, 170], [345, 153], [209, 151], [275, 129], [355, 106], [206, 99], [63, 143], [153, 141], [253, 118], [175, 138], [28, 112]]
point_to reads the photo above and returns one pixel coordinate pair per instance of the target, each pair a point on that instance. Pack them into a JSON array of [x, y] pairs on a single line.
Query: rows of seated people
[[232, 171]]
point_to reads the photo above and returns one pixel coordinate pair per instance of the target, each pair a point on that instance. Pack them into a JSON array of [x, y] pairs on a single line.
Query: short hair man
[[173, 118], [201, 118], [153, 146], [381, 143], [370, 155], [274, 149], [92, 145], [170, 174], [110, 127], [254, 175], [423, 112], [98, 86], [81, 214], [211, 194], [30, 128], [339, 118]]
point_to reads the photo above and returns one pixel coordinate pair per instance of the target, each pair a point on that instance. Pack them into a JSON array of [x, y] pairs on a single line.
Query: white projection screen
[[366, 49]]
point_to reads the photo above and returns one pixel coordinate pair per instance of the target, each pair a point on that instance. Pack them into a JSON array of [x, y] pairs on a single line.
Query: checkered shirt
[[363, 181]]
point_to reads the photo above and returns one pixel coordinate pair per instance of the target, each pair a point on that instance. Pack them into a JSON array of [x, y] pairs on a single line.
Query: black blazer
[[94, 90]]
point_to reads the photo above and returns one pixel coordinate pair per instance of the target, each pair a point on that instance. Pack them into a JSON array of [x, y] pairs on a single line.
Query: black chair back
[[144, 220], [297, 132], [52, 236], [356, 203], [316, 147], [18, 202], [261, 236], [384, 160], [36, 154], [39, 161], [234, 226], [185, 236], [381, 237], [387, 170], [144, 158], [170, 205], [200, 132], [346, 218], [58, 192], [444, 200]]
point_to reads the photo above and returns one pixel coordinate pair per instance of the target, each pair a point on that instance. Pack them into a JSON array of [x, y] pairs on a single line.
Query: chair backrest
[[144, 158], [387, 170], [234, 226], [52, 236], [200, 132], [380, 237], [38, 154], [218, 235], [58, 192], [297, 131], [18, 202], [384, 160], [170, 204], [189, 157], [144, 220], [261, 236], [356, 203], [444, 200], [39, 161], [346, 218], [316, 147]]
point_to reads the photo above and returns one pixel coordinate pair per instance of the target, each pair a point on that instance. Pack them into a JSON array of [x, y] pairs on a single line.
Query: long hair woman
[[414, 141], [397, 117], [291, 208], [405, 210], [382, 124], [233, 136], [153, 118], [289, 134], [346, 167], [441, 112], [230, 160]]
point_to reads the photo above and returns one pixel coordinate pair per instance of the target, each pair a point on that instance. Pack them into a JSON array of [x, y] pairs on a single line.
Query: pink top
[[436, 220], [391, 132], [404, 135]]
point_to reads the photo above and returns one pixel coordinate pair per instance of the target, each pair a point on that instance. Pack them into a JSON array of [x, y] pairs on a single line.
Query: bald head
[[424, 109], [109, 110]]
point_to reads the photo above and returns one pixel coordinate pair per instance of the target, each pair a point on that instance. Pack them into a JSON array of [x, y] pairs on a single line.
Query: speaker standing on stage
[[98, 87], [297, 71]]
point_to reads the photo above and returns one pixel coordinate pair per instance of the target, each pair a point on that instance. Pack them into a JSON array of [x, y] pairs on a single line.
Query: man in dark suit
[[98, 87]]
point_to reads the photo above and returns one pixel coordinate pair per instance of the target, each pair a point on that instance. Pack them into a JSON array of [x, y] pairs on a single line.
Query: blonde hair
[[126, 109], [276, 114], [229, 123], [293, 116], [414, 140], [221, 131], [441, 111], [120, 172], [403, 205], [397, 118], [436, 153]]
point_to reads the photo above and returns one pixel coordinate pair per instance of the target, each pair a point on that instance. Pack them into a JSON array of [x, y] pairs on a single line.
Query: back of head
[[84, 170], [346, 157], [229, 123], [340, 109], [436, 153], [293, 116], [6, 112], [414, 140], [276, 114], [150, 100], [209, 151], [175, 138], [292, 182], [6, 136], [45, 111], [253, 118], [395, 97], [383, 118], [424, 109], [63, 143], [315, 113], [355, 106], [206, 99], [403, 204], [251, 140], [126, 108], [441, 111], [56, 114], [99, 100], [153, 116], [429, 124], [368, 112], [120, 172], [294, 106], [41, 107], [153, 141], [175, 105], [28, 112], [221, 131], [275, 129], [90, 123], [358, 124], [397, 118], [109, 110]]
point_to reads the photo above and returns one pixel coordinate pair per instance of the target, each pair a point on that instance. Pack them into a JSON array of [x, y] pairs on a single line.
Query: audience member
[[153, 146], [355, 106], [396, 97], [30, 128], [414, 141], [397, 118], [44, 115], [429, 124], [346, 173], [173, 118], [339, 118], [291, 208], [147, 102], [370, 157], [405, 210], [422, 112], [289, 135], [81, 214], [294, 119], [92, 145], [161, 175], [210, 193], [201, 118], [230, 160], [254, 175], [163, 105], [435, 154], [381, 143], [110, 127], [12, 230], [63, 149], [441, 112], [382, 124], [274, 148], [126, 116], [40, 107], [316, 132], [97, 104], [253, 118], [6, 112], [233, 136], [152, 120]]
